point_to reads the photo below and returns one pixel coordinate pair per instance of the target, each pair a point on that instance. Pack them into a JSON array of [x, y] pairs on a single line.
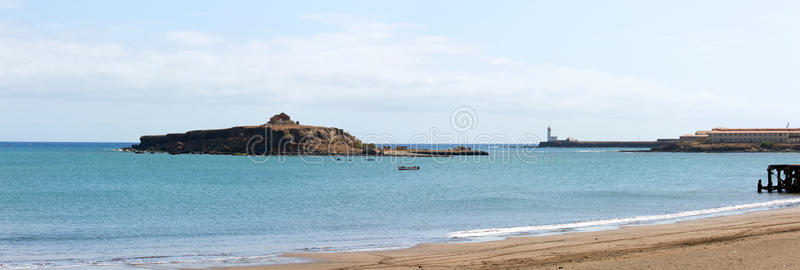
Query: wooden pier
[[786, 179]]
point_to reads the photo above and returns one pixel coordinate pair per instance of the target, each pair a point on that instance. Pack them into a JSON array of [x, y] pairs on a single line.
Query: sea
[[90, 205]]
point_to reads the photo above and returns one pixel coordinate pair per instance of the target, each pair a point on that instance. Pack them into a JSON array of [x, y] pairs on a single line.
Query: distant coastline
[[283, 136], [716, 140]]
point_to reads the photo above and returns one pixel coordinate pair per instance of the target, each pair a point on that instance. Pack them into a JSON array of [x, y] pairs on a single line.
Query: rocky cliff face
[[705, 147], [255, 140]]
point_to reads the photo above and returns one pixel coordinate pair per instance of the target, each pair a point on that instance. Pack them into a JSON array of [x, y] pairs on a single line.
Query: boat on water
[[408, 168]]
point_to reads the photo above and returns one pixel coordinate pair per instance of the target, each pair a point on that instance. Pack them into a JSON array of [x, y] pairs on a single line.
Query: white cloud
[[366, 63], [193, 38]]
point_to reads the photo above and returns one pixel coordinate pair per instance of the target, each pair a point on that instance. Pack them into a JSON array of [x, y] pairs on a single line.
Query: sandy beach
[[757, 240]]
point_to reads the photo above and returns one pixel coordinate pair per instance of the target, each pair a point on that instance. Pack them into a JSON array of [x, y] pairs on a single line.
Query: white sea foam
[[619, 221]]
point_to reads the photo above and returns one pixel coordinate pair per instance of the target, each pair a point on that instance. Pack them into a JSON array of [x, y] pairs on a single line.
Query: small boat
[[408, 168]]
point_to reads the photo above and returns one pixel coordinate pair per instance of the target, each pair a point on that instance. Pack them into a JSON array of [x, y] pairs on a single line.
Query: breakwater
[[592, 144]]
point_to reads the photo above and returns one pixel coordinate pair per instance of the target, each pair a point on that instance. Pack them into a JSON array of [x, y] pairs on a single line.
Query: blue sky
[[114, 70]]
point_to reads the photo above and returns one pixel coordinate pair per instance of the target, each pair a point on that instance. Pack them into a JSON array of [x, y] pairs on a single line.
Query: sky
[[399, 71]]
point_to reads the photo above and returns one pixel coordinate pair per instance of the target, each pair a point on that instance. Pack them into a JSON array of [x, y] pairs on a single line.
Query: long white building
[[749, 135]]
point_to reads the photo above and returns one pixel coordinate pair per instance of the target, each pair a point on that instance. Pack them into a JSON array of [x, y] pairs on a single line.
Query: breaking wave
[[618, 221]]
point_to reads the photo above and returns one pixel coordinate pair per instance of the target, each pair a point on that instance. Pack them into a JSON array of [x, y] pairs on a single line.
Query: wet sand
[[756, 240]]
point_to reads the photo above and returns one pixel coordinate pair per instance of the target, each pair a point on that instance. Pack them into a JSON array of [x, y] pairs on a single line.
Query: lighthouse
[[550, 137]]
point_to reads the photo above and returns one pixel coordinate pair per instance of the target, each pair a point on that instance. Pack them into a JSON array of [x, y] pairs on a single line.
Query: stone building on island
[[754, 135], [282, 119], [715, 135], [745, 135]]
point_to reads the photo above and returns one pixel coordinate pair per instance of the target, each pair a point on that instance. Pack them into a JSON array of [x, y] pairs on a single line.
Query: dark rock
[[254, 140]]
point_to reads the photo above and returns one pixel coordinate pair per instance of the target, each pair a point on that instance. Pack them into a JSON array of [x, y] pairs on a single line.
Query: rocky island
[[279, 136]]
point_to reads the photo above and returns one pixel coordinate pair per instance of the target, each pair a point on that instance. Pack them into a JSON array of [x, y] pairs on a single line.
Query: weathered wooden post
[[769, 180], [759, 186], [787, 179]]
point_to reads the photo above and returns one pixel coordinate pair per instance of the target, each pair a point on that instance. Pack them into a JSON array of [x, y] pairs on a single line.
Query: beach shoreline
[[763, 239]]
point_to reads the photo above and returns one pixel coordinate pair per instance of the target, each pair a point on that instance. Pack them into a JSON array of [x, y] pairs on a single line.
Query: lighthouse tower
[[550, 137]]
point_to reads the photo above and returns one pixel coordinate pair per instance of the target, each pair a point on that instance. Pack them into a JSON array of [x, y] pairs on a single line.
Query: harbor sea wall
[[592, 144]]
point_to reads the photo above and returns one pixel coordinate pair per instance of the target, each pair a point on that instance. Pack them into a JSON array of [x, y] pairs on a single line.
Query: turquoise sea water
[[84, 204]]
